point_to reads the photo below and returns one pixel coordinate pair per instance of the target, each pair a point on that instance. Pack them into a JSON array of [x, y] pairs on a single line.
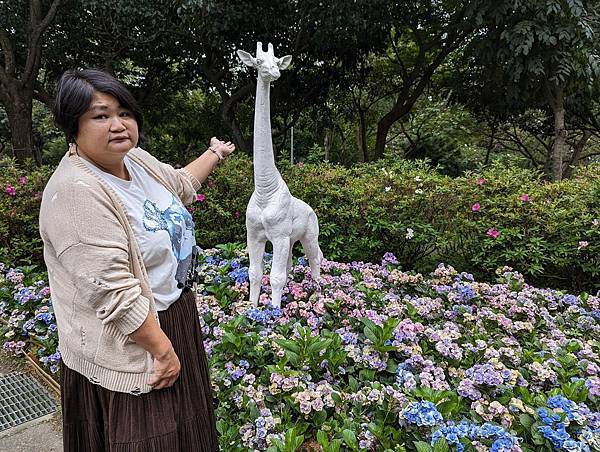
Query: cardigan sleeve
[[91, 246]]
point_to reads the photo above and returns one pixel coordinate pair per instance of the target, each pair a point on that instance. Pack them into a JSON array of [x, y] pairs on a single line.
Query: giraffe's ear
[[284, 62], [247, 59]]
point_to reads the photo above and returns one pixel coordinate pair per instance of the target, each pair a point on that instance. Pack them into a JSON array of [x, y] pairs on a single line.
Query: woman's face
[[107, 131]]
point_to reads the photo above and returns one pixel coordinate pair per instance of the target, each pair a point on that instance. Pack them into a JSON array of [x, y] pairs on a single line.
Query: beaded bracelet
[[217, 153]]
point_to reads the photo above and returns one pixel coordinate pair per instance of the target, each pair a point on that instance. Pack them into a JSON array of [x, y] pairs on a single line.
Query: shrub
[[476, 222], [549, 231], [20, 196]]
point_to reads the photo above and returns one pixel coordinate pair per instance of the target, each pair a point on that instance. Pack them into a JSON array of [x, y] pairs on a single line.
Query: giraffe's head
[[265, 62]]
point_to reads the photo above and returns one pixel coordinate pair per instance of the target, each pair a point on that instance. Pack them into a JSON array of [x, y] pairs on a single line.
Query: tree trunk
[[577, 151], [383, 127], [328, 142], [19, 113], [361, 137], [16, 90], [490, 145], [238, 137], [560, 134]]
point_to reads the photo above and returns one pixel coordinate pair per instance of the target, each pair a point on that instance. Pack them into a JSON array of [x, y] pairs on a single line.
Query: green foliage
[[425, 218], [20, 197], [406, 208], [447, 135]]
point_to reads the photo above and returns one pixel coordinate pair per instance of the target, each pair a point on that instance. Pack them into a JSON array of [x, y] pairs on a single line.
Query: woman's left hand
[[222, 147]]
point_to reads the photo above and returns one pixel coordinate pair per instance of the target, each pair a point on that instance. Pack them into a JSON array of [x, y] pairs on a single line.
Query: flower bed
[[372, 358], [27, 323]]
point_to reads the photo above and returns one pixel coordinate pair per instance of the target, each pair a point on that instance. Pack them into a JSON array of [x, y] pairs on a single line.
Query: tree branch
[[37, 28]]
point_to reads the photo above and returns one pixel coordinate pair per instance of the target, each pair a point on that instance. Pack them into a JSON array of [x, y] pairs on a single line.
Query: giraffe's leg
[[310, 243], [314, 255], [256, 250], [281, 249], [289, 263]]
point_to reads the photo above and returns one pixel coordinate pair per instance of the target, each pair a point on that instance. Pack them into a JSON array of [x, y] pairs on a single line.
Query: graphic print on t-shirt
[[178, 223]]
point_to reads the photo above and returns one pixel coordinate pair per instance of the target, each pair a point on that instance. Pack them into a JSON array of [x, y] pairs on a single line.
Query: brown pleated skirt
[[179, 418]]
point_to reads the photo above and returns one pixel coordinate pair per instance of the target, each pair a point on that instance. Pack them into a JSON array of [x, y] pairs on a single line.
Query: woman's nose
[[116, 124]]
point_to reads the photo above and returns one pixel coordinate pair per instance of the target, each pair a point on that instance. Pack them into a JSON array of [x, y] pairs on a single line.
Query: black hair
[[75, 91]]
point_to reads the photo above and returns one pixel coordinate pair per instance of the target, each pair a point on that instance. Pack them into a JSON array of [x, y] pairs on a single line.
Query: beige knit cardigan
[[99, 285]]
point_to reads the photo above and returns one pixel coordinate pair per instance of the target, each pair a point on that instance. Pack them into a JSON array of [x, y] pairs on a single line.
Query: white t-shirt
[[163, 227]]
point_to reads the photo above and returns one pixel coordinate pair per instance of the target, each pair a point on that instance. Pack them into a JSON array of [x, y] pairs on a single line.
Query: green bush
[[552, 235], [20, 197], [423, 217]]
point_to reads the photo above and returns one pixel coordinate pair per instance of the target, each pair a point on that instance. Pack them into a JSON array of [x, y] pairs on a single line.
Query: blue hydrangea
[[423, 414], [557, 435], [464, 276], [45, 317], [503, 444], [452, 434], [263, 316], [465, 292], [547, 417], [503, 441], [488, 430], [239, 275], [569, 299], [575, 446]]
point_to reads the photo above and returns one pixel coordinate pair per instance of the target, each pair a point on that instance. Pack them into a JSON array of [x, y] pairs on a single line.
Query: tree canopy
[[360, 69]]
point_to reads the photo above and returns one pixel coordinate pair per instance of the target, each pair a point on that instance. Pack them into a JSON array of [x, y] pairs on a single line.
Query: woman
[[117, 245]]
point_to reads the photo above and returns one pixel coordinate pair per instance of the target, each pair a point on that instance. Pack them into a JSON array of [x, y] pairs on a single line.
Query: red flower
[[201, 197], [236, 214], [481, 181], [476, 207], [10, 190]]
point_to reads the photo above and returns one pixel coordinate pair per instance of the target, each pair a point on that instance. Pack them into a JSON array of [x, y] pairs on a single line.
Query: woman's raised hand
[[222, 147]]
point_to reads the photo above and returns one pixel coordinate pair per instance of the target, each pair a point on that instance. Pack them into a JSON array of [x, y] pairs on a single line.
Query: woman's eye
[[100, 117], [126, 114]]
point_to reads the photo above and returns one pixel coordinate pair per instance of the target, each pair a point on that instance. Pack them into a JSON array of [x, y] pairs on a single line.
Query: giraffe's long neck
[[266, 176]]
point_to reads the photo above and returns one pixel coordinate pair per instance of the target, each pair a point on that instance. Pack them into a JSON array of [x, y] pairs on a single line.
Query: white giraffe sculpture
[[273, 213]]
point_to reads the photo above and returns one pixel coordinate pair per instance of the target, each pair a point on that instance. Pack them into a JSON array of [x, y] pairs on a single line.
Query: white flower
[[583, 244], [409, 233], [418, 191], [388, 188], [418, 178], [595, 222]]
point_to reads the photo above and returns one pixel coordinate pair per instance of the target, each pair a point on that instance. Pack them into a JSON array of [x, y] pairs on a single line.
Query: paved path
[[39, 435]]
